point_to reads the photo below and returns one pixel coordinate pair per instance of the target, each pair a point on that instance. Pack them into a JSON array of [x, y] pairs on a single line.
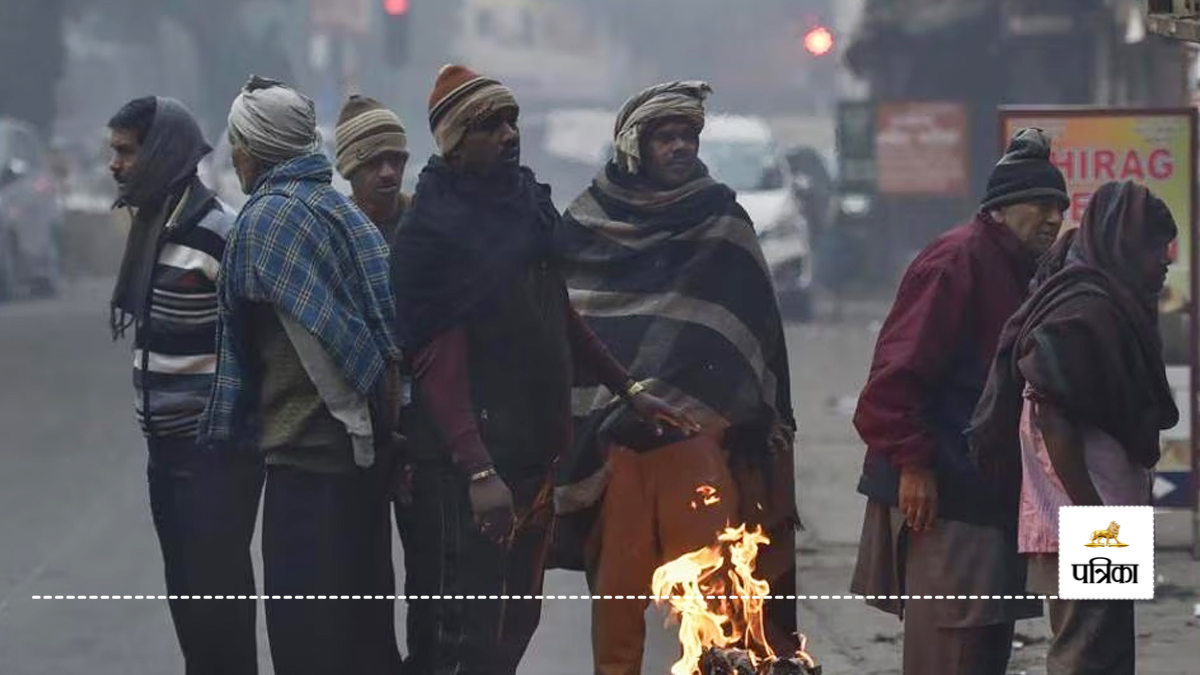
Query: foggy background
[[73, 511], [69, 64]]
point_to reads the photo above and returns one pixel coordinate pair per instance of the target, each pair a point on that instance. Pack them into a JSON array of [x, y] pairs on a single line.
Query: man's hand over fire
[[492, 507], [657, 411], [918, 497]]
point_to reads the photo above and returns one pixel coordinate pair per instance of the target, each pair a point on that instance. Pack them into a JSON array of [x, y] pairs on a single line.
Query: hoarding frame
[[942, 106], [1006, 113]]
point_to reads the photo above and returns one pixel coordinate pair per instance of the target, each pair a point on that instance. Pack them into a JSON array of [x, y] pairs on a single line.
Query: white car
[[30, 216], [741, 153], [217, 170]]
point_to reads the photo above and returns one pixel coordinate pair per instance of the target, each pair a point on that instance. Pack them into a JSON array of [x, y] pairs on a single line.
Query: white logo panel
[[1106, 552]]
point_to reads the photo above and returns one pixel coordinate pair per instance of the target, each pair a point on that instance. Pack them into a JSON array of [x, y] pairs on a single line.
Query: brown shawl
[[1086, 340]]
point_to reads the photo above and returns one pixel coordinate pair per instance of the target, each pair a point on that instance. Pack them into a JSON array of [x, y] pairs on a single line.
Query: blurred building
[[547, 50], [983, 54]]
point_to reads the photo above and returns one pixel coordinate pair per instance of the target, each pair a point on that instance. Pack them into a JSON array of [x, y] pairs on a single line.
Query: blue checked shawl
[[303, 247]]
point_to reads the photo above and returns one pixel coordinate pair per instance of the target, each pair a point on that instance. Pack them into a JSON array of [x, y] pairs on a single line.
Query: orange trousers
[[647, 519]]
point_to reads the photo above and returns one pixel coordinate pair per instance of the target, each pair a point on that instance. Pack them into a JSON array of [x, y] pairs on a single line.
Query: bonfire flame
[[717, 600]]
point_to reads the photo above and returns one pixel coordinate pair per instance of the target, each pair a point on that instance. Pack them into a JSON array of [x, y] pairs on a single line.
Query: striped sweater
[[175, 355]]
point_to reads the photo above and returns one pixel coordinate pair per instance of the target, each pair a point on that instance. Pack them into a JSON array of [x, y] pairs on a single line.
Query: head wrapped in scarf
[[672, 99], [1086, 340], [273, 122], [173, 147], [165, 172], [1120, 219]]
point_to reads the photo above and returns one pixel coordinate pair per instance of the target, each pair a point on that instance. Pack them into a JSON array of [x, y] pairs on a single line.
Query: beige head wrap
[[672, 99], [273, 122]]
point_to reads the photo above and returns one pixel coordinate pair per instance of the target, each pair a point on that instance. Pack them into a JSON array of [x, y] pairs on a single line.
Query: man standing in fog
[[304, 345], [484, 315], [1076, 400], [665, 266], [933, 525], [203, 496]]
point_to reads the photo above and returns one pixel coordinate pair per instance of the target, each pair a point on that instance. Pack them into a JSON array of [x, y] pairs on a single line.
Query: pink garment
[[1118, 480]]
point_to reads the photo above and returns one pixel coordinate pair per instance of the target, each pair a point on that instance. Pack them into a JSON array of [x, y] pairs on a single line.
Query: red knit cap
[[449, 78], [460, 96]]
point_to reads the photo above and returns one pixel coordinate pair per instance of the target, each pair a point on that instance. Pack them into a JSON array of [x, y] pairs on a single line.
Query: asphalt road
[[74, 518]]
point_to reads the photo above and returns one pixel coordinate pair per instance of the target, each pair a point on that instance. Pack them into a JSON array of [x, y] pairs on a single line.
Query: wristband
[[633, 389], [483, 474]]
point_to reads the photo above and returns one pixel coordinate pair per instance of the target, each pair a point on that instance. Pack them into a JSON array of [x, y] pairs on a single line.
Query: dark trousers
[[445, 555], [204, 502], [777, 564], [930, 649], [1091, 637], [328, 534]]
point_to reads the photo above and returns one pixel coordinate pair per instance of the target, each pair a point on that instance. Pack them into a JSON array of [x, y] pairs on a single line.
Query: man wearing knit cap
[[933, 524], [484, 316], [653, 252], [1075, 404], [304, 341], [372, 151]]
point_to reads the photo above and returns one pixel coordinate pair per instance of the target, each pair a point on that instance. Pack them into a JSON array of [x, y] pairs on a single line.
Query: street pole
[[1161, 20]]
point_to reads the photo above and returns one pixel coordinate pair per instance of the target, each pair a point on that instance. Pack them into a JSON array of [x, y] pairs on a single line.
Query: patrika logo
[[1108, 536], [1123, 568]]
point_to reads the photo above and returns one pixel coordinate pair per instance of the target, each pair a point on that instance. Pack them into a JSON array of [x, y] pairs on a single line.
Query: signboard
[[1156, 148], [855, 137], [921, 149], [349, 16], [1038, 18]]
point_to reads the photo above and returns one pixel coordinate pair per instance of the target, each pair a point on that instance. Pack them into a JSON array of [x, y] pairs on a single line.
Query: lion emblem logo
[[1107, 536]]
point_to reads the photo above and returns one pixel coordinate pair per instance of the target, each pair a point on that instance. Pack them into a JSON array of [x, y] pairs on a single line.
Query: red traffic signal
[[396, 29], [818, 41]]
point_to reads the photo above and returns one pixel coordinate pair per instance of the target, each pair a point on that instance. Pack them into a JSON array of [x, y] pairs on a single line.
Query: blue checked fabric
[[303, 247]]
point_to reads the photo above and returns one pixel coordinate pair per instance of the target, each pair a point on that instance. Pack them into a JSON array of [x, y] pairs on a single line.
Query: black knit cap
[[1025, 174]]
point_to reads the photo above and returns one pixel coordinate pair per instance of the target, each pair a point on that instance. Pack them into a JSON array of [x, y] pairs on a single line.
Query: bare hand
[[492, 508], [918, 497], [657, 411]]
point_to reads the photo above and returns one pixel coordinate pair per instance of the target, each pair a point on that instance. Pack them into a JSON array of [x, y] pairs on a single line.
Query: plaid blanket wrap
[[303, 247], [676, 286]]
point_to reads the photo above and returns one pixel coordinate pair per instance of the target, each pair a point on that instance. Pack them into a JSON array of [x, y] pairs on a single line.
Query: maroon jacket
[[931, 363]]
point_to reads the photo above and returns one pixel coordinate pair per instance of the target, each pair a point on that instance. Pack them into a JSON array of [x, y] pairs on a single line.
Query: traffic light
[[818, 41], [397, 17]]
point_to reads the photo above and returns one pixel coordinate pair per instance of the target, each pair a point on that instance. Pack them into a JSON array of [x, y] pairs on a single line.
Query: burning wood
[[718, 661], [718, 603]]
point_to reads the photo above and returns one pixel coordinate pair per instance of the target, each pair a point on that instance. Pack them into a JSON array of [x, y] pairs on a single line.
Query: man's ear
[[998, 215]]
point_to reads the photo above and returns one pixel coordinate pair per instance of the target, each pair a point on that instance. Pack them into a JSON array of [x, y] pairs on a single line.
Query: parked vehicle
[[741, 152], [566, 146], [30, 215]]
